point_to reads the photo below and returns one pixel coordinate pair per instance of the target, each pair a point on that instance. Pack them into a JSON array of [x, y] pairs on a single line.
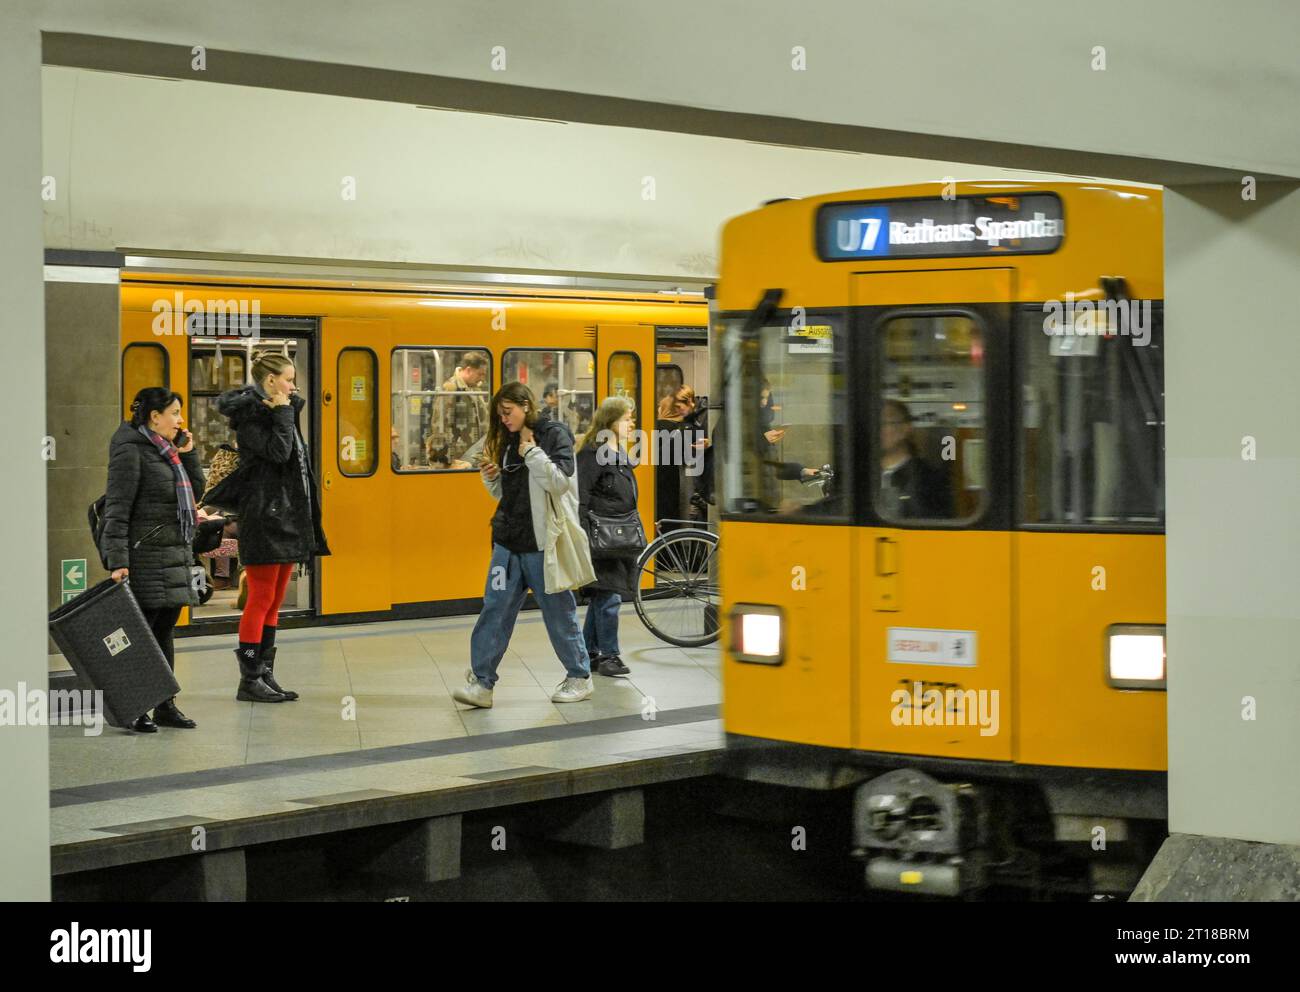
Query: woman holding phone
[[149, 522], [279, 513]]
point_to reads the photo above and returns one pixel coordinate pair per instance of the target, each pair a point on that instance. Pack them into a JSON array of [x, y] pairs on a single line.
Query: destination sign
[[937, 228]]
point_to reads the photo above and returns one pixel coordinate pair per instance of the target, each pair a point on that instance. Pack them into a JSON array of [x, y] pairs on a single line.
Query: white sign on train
[[922, 646], [817, 340]]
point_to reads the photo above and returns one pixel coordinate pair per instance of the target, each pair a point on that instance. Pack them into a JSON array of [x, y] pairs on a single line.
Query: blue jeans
[[600, 630], [509, 576]]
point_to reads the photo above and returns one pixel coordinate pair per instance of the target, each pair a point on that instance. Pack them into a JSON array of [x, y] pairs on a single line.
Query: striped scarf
[[184, 491]]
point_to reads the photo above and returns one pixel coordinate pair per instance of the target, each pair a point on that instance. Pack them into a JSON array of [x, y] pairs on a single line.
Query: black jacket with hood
[[141, 528], [279, 522]]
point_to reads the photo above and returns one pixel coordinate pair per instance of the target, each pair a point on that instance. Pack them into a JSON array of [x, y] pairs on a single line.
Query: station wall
[[164, 165]]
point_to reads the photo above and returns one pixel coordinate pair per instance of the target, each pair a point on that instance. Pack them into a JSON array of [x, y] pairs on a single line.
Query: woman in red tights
[[279, 513]]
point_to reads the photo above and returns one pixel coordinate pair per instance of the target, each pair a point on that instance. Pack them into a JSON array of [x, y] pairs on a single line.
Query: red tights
[[266, 585]]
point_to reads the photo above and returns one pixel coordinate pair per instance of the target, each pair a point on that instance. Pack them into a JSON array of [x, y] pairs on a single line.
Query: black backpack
[[95, 516]]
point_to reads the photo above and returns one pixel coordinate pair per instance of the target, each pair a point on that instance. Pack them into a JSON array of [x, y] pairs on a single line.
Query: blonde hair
[[268, 363], [668, 405], [610, 413]]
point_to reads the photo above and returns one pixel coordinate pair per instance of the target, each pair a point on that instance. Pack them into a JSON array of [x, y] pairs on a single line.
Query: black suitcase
[[104, 636]]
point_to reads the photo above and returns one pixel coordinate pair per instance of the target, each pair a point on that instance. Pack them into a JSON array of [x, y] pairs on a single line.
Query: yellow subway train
[[398, 377], [966, 625]]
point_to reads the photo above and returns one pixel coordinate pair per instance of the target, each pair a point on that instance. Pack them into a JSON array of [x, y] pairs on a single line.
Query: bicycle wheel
[[681, 607]]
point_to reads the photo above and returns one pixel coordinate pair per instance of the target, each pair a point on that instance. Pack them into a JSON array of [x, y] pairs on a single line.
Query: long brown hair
[[611, 411], [512, 392]]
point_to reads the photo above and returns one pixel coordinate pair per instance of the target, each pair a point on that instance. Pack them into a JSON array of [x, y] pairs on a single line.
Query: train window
[[358, 412], [931, 462], [440, 408], [1093, 424], [215, 366], [784, 419], [143, 365], [625, 379], [565, 381]]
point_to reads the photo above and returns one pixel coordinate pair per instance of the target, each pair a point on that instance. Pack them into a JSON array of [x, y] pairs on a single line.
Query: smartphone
[[182, 438]]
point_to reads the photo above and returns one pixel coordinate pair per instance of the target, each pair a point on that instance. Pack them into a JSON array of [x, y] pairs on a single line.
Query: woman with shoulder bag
[[279, 513], [149, 523], [527, 465], [607, 498]]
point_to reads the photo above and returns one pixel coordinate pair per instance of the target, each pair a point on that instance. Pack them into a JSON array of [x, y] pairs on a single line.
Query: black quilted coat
[[278, 524], [141, 529]]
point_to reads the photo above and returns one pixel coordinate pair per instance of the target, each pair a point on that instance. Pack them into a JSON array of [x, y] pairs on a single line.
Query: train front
[[941, 555]]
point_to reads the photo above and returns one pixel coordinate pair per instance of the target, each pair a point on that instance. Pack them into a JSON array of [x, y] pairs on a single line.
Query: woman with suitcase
[[149, 522], [279, 513]]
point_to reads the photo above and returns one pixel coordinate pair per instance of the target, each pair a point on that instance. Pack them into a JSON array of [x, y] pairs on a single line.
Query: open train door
[[625, 366], [934, 665], [355, 472]]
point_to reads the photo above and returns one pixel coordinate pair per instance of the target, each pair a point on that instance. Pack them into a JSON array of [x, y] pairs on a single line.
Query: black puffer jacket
[[278, 523], [141, 528], [610, 491]]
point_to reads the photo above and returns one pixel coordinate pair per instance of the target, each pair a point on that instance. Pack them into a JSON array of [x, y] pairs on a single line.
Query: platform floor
[[376, 719]]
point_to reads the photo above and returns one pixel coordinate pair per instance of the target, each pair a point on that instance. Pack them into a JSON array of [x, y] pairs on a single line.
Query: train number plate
[[921, 646]]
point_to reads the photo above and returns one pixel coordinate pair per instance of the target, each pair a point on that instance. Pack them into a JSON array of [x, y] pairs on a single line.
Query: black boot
[[251, 687], [168, 714], [268, 676], [143, 725]]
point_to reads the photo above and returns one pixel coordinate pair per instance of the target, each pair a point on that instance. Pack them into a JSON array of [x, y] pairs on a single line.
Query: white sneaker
[[572, 691], [473, 694]]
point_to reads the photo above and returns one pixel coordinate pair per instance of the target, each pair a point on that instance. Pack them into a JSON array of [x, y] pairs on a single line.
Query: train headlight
[[1135, 656], [758, 633]]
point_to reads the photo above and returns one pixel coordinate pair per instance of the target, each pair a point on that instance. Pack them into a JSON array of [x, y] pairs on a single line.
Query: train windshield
[[784, 429]]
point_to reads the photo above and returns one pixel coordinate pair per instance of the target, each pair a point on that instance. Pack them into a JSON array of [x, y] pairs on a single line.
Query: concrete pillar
[[24, 751], [82, 406], [1233, 471], [607, 820], [426, 851]]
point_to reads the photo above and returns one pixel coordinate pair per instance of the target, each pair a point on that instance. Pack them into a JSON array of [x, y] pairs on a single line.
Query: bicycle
[[681, 606]]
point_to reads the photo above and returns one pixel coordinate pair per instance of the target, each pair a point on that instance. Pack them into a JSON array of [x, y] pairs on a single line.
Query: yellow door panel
[[935, 675], [1068, 715], [935, 662], [625, 366], [355, 476], [808, 572]]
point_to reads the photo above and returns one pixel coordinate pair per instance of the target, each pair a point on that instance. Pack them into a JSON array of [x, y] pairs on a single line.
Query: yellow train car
[[398, 378], [966, 623]]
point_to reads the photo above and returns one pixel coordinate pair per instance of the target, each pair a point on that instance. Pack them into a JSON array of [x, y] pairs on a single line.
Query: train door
[[215, 365], [354, 470], [934, 666], [625, 367]]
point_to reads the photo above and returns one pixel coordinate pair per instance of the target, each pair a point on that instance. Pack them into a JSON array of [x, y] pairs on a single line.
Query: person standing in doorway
[[279, 513]]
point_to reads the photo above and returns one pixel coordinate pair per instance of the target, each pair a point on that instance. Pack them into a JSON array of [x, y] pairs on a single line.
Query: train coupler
[[921, 835]]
